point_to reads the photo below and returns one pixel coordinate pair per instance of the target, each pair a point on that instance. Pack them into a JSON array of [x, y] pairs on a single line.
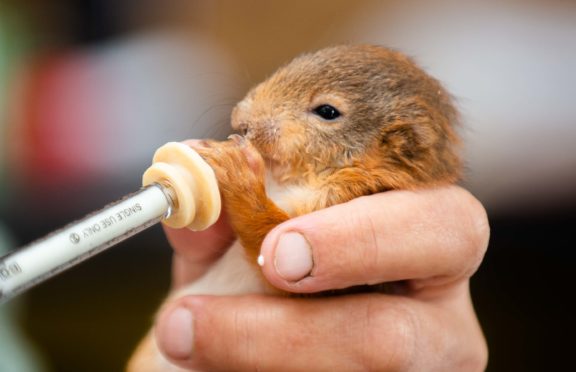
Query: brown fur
[[397, 131]]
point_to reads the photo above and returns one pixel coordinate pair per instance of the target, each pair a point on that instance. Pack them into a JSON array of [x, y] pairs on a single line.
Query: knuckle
[[473, 356], [389, 338], [226, 338], [477, 232], [477, 361], [245, 339], [462, 230], [371, 258]]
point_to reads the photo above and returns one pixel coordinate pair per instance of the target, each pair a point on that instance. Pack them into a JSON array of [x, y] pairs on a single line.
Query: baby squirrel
[[328, 127]]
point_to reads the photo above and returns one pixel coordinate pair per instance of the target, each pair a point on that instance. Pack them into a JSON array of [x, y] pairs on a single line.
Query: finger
[[431, 237], [195, 251], [366, 332]]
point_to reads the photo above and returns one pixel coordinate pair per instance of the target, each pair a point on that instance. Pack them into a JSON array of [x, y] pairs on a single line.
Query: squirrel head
[[353, 106]]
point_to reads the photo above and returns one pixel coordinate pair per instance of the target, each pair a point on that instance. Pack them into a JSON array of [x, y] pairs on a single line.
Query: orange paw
[[238, 166]]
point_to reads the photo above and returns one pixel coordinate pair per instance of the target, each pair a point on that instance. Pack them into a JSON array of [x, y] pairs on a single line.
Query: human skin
[[428, 243]]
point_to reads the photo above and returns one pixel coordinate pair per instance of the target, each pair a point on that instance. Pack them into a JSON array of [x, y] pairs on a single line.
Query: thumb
[[427, 236]]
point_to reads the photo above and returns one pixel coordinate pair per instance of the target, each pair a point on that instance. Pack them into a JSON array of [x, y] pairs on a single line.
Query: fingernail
[[293, 257], [175, 335]]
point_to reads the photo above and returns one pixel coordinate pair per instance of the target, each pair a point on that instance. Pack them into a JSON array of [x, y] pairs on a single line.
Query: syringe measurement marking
[[12, 269], [106, 222]]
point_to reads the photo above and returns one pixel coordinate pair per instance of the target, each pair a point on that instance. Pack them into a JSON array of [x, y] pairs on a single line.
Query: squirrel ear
[[407, 140]]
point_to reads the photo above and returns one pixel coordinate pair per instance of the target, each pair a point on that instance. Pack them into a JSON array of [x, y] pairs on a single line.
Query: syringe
[[179, 188]]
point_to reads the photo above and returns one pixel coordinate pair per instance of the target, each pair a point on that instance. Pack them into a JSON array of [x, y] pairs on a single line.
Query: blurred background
[[90, 88]]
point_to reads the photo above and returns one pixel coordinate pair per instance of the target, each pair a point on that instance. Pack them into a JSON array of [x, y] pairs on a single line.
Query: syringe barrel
[[82, 239], [179, 187]]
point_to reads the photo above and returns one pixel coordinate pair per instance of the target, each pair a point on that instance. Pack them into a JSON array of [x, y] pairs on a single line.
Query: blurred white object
[[511, 67], [166, 87]]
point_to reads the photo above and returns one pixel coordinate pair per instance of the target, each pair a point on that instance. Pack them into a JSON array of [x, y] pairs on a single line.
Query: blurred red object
[[57, 129]]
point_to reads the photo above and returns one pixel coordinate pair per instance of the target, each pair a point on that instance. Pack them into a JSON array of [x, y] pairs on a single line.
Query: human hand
[[428, 242]]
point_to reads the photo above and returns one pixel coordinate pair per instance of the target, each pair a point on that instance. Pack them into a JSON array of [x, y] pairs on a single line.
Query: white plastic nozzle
[[179, 168]]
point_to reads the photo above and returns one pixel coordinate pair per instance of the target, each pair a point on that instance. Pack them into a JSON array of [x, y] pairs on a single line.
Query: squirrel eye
[[327, 112]]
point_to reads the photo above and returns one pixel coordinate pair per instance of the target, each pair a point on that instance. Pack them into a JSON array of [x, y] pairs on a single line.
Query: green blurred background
[[90, 88]]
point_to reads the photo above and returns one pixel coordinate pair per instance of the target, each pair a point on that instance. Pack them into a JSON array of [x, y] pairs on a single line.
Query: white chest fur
[[289, 197], [231, 275]]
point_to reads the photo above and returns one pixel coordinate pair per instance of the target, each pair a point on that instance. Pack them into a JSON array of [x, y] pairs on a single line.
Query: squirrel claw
[[238, 139]]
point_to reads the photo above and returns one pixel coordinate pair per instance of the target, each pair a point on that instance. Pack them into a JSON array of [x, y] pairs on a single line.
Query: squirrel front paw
[[239, 169]]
